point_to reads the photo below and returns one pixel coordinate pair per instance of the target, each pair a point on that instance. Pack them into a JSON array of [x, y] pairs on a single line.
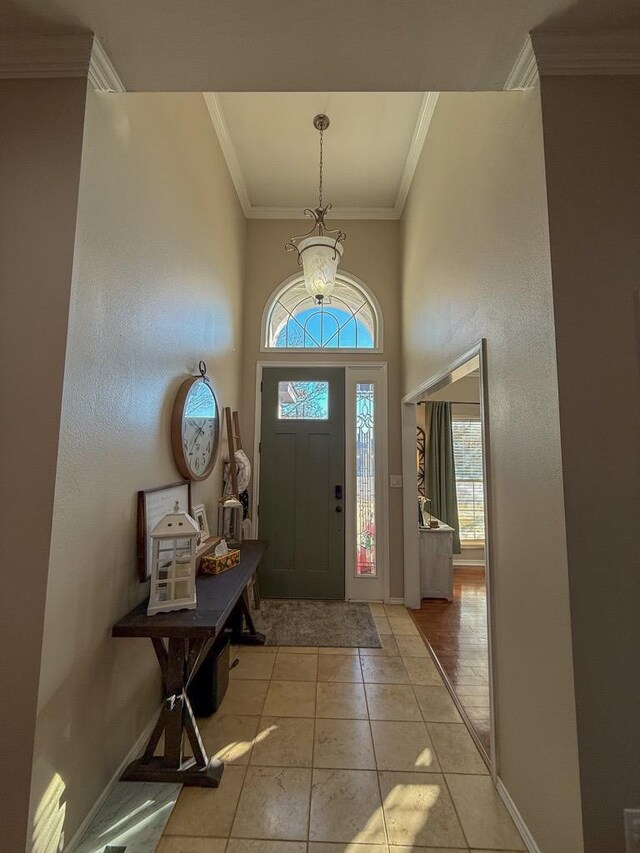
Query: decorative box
[[212, 565]]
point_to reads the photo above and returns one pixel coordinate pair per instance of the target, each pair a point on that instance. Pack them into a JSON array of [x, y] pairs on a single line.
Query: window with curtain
[[467, 453]]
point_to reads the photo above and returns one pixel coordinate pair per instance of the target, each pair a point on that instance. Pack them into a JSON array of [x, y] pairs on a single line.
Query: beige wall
[[591, 131], [476, 264], [40, 147], [372, 253], [157, 285]]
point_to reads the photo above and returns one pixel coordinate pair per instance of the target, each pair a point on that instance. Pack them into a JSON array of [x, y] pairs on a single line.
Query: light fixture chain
[[319, 255], [321, 163]]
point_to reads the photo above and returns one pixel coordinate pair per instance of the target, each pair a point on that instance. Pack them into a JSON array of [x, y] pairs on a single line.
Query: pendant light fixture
[[319, 251]]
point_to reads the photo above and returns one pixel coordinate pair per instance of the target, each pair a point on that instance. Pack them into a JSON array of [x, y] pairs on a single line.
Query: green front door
[[301, 506]]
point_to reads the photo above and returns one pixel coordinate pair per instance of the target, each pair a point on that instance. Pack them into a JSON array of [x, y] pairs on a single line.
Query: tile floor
[[342, 751]]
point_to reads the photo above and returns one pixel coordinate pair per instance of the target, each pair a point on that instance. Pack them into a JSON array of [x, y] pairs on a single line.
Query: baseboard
[[395, 601], [517, 818], [479, 563], [134, 752]]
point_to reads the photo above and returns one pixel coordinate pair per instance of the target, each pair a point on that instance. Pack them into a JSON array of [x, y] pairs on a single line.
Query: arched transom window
[[349, 319]]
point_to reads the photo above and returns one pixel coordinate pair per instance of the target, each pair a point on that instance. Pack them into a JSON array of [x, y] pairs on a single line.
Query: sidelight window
[[365, 480]]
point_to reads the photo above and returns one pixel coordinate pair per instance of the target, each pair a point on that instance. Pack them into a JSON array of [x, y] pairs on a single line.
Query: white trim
[[444, 378], [102, 74], [587, 53], [255, 212], [257, 430], [354, 585], [421, 128], [524, 74], [517, 818], [79, 55], [409, 424], [308, 362], [133, 753], [459, 368], [420, 131], [336, 350], [395, 601], [228, 150], [38, 56], [349, 278], [257, 435]]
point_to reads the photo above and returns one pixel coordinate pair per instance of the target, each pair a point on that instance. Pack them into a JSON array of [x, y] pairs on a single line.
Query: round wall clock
[[195, 427]]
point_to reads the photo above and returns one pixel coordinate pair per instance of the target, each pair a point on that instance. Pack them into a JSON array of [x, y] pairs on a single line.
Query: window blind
[[467, 453]]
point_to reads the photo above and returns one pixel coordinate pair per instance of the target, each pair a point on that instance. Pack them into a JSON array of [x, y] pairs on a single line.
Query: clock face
[[200, 429]]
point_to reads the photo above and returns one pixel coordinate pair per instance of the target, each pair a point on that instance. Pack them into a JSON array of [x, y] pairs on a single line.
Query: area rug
[[293, 622]]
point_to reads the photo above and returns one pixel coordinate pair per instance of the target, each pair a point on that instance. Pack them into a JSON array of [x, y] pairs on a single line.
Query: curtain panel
[[441, 471]]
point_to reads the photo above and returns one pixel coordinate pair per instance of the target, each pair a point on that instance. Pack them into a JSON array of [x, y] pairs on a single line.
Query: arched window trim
[[347, 278]]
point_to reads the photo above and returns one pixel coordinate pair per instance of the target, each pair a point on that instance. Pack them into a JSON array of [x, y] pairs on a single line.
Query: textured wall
[[40, 147], [157, 285], [476, 264], [372, 253], [591, 132]]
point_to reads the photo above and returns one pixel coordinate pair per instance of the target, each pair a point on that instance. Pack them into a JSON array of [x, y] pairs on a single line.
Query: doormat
[[292, 622]]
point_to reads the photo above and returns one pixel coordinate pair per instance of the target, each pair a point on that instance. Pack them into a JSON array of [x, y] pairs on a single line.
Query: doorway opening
[[447, 568], [321, 441]]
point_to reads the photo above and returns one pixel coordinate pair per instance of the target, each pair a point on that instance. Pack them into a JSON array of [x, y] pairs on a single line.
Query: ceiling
[[336, 45], [370, 150]]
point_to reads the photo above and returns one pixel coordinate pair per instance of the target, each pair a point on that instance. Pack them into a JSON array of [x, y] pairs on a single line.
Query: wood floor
[[457, 633]]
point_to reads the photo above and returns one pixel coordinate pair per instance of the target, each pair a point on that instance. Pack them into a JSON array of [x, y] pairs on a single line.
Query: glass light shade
[[320, 257]]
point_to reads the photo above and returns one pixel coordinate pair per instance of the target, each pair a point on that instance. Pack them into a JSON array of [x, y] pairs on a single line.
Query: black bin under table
[[210, 682]]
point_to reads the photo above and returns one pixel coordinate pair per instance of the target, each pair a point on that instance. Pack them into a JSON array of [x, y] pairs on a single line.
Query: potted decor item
[[173, 563]]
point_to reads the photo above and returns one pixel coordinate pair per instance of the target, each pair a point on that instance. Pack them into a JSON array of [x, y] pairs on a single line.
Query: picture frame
[[154, 504], [200, 515]]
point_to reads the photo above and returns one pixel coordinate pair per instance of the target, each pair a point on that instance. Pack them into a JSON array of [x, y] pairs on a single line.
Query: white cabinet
[[436, 562]]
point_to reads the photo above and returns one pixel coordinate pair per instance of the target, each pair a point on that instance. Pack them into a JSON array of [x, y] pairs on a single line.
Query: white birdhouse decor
[[173, 563], [230, 520]]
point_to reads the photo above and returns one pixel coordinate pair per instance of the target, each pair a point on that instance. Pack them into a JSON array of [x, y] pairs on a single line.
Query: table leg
[[240, 616], [176, 718]]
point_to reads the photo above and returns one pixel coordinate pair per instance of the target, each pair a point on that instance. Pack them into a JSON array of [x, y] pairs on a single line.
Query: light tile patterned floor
[[341, 751]]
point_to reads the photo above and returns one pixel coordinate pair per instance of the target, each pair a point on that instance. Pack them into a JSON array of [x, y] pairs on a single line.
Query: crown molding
[[524, 74], [229, 152], [102, 75], [255, 212], [32, 56], [560, 54], [251, 211], [423, 123], [46, 56]]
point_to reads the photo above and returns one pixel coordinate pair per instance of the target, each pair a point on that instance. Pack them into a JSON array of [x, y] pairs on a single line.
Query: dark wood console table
[[223, 602]]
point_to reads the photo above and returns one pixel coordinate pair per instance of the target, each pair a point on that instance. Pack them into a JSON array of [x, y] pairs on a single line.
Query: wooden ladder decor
[[234, 440], [233, 468]]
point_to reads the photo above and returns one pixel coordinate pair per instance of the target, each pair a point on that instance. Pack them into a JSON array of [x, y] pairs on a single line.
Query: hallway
[[457, 633], [161, 165], [342, 750]]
